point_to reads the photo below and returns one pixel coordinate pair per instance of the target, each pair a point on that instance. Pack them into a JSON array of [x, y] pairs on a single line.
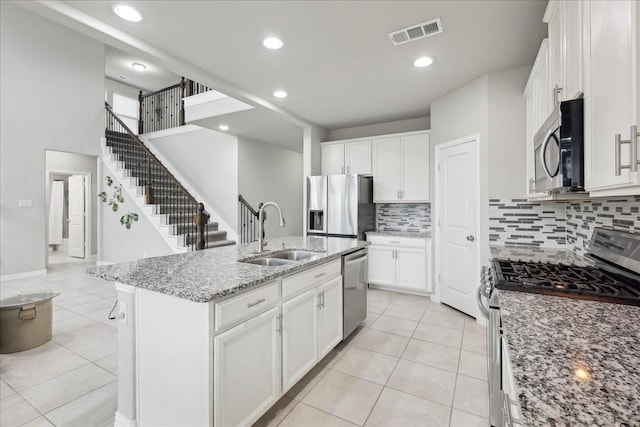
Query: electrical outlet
[[122, 312]]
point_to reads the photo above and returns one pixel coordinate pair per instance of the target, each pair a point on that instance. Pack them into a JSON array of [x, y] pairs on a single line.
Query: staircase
[[165, 201]]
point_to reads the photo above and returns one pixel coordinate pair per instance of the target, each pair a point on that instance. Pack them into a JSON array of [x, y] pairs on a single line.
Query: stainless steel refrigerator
[[340, 206]]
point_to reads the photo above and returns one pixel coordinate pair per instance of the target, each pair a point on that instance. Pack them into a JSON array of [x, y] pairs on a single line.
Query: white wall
[[420, 123], [119, 244], [112, 86], [208, 162], [267, 173], [71, 162], [52, 81], [507, 133]]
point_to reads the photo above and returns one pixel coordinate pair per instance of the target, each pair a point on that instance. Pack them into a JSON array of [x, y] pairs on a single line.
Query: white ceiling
[[117, 65], [337, 64]]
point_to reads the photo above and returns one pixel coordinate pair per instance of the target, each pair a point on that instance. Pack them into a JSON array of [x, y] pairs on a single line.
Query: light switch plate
[[25, 203]]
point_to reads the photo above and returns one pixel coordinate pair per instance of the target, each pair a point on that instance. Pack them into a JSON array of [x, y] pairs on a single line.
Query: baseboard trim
[[122, 421], [24, 275]]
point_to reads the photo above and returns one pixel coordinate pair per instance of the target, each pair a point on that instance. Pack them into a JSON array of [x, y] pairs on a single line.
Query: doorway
[[457, 202], [70, 208]]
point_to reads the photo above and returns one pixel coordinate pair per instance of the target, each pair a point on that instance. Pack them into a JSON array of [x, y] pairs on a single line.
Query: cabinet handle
[[556, 95], [531, 181], [402, 194], [399, 195], [348, 169], [279, 324], [317, 276], [322, 299], [319, 300], [394, 241], [633, 150], [342, 169], [253, 304]]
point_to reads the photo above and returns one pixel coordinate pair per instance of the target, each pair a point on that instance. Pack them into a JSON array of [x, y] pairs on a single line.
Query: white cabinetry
[[346, 157], [564, 19], [401, 168], [311, 321], [400, 262], [611, 95], [539, 107], [247, 370]]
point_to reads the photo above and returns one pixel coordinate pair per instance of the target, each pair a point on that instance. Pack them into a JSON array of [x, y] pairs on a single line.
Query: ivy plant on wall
[[115, 200]]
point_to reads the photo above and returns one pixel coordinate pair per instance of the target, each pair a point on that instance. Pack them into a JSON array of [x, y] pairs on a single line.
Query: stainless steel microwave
[[559, 149]]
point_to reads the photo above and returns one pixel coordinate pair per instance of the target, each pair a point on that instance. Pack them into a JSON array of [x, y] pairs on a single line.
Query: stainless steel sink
[[294, 255], [281, 258], [270, 262]]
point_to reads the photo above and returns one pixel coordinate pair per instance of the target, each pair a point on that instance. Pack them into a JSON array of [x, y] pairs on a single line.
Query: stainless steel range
[[614, 277]]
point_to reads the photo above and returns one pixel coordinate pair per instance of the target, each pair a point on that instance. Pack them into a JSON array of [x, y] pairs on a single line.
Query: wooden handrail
[[177, 85], [150, 154], [248, 206]]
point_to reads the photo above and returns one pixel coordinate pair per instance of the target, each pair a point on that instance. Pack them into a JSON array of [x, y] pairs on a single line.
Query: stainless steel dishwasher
[[355, 267]]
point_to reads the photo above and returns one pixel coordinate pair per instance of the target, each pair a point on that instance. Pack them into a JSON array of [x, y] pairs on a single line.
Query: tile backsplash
[[584, 215], [519, 222], [559, 224], [405, 217]]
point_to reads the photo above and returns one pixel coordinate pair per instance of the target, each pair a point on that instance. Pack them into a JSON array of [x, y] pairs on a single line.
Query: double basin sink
[[281, 258]]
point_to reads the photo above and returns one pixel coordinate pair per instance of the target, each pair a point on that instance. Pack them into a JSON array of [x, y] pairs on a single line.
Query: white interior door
[[76, 216], [457, 204]]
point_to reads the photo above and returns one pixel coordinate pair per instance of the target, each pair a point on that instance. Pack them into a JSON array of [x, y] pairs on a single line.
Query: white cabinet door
[[299, 337], [358, 157], [382, 265], [248, 354], [411, 268], [330, 316], [611, 84], [554, 17], [415, 168], [387, 170], [544, 101], [332, 159], [573, 49]]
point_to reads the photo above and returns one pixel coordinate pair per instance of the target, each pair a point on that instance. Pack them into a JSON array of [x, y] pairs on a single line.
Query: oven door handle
[[543, 149], [483, 309]]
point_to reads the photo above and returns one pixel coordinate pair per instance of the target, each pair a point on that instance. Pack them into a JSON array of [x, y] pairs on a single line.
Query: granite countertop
[[416, 234], [213, 274], [575, 362]]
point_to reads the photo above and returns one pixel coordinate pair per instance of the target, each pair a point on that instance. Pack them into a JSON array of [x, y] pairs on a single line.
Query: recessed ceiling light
[[272, 43], [223, 127], [424, 61], [139, 67], [127, 13], [280, 94]]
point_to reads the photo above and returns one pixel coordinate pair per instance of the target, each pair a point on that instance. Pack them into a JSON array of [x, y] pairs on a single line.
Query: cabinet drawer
[[309, 278], [409, 242], [242, 306]]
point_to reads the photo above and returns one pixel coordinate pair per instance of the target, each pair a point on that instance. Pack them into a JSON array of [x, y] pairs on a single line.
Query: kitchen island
[[209, 338], [573, 362]]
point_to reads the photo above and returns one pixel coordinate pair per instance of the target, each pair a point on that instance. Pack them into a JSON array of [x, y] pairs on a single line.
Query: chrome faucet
[[261, 240]]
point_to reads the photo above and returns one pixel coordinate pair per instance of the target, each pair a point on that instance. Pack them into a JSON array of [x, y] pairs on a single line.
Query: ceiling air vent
[[416, 32]]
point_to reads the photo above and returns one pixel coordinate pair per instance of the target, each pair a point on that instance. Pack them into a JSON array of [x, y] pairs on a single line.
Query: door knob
[[471, 238]]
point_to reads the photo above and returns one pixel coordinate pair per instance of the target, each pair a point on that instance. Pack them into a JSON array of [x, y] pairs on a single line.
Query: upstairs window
[[127, 110]]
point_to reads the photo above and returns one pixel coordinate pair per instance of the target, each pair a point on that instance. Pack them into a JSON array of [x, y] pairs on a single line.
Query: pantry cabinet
[[401, 168], [611, 96], [346, 157], [401, 263]]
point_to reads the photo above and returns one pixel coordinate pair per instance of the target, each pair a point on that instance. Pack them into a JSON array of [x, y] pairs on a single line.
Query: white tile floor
[[412, 363]]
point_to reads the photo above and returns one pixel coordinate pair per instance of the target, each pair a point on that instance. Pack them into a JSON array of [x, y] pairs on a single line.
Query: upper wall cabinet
[[611, 97], [538, 102], [346, 157], [564, 19], [401, 168]]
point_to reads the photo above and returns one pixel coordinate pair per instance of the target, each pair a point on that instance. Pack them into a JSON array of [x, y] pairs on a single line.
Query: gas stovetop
[[571, 281]]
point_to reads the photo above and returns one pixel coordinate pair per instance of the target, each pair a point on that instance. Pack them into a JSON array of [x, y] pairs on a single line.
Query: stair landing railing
[[164, 108], [184, 213], [249, 225]]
